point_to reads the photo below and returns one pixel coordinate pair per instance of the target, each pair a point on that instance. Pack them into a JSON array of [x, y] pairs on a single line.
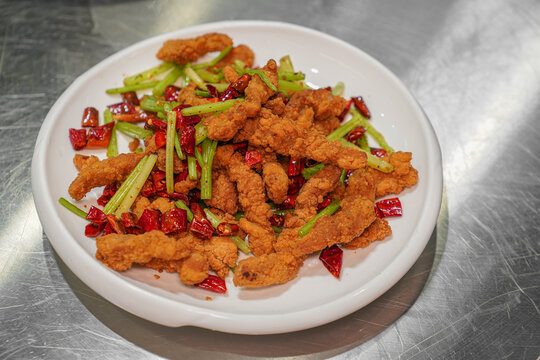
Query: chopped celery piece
[[72, 208], [137, 185]]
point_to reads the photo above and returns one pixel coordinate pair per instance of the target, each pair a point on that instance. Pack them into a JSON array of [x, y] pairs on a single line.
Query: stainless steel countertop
[[473, 65]]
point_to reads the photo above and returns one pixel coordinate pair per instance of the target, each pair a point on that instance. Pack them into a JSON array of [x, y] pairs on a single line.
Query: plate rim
[[72, 252]]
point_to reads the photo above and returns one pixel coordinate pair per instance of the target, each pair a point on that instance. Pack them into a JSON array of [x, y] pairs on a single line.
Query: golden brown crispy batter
[[82, 161], [355, 215], [183, 187], [264, 270], [193, 269], [276, 104], [324, 104], [160, 264], [312, 193], [120, 252], [139, 205], [102, 173], [260, 238], [224, 195], [276, 181], [251, 193], [378, 230], [134, 144], [183, 51], [252, 198], [225, 125], [221, 253], [287, 138], [240, 52], [403, 175], [178, 165], [187, 96], [162, 204], [230, 74]]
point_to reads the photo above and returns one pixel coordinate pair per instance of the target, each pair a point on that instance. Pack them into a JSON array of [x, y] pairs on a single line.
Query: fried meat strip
[[193, 269], [264, 270], [378, 230], [311, 194], [230, 74], [221, 253], [121, 251], [187, 96], [403, 175], [183, 186], [224, 195], [276, 181], [225, 125], [183, 51], [324, 104], [240, 52], [82, 161], [102, 173], [252, 198], [287, 138], [355, 215]]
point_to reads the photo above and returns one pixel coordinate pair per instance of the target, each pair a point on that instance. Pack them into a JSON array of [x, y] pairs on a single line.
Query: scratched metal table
[[474, 66]]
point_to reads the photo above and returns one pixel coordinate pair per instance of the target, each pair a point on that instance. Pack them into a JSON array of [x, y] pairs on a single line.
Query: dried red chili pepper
[[187, 140], [150, 220], [173, 195], [379, 152], [129, 220], [108, 229], [171, 93], [158, 178], [235, 89], [227, 229], [90, 117], [99, 137], [94, 229], [95, 214], [296, 166], [345, 110], [332, 259], [108, 193], [122, 108], [174, 220], [213, 283], [277, 220], [295, 184], [182, 120], [310, 163], [181, 177], [289, 202], [253, 157], [326, 201], [116, 226], [201, 227], [160, 138], [389, 207], [212, 91], [155, 124], [194, 195], [361, 106], [131, 98], [148, 189], [355, 134], [241, 147], [78, 139], [138, 116]]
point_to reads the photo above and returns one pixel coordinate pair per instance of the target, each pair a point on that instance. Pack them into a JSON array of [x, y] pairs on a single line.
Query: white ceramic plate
[[314, 297]]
